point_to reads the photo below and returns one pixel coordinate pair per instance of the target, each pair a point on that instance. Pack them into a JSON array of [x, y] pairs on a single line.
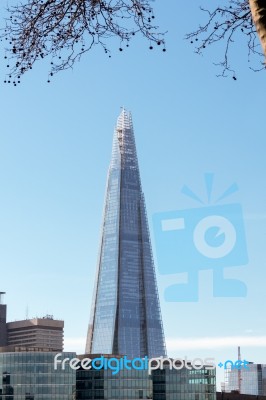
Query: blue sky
[[55, 147]]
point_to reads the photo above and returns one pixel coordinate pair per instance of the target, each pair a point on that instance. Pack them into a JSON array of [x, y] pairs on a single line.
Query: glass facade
[[162, 384], [31, 376], [103, 385], [184, 384], [125, 317]]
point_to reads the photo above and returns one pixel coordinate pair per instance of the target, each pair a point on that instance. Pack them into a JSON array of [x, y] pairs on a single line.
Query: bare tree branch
[[225, 24], [66, 29]]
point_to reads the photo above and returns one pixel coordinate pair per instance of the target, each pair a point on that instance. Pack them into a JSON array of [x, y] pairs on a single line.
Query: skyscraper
[[125, 316]]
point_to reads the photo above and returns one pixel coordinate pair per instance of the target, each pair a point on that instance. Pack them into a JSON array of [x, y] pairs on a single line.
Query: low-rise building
[[30, 375], [159, 384]]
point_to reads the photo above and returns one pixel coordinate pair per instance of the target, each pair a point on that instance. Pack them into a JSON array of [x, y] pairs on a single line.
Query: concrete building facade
[[37, 332]]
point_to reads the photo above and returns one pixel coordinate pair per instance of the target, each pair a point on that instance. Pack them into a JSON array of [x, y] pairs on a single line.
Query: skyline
[[193, 346], [54, 153]]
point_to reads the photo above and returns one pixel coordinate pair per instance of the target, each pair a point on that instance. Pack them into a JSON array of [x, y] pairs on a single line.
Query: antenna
[[1, 296], [239, 371]]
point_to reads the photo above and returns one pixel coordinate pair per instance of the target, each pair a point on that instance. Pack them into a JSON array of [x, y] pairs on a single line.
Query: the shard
[[125, 315]]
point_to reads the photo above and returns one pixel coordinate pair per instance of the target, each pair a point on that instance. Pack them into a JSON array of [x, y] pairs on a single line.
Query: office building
[[251, 380], [160, 384], [42, 333], [126, 316], [30, 375], [103, 384], [37, 332], [183, 384]]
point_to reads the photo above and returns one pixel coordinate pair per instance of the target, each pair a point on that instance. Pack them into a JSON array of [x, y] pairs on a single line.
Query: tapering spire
[[125, 317]]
